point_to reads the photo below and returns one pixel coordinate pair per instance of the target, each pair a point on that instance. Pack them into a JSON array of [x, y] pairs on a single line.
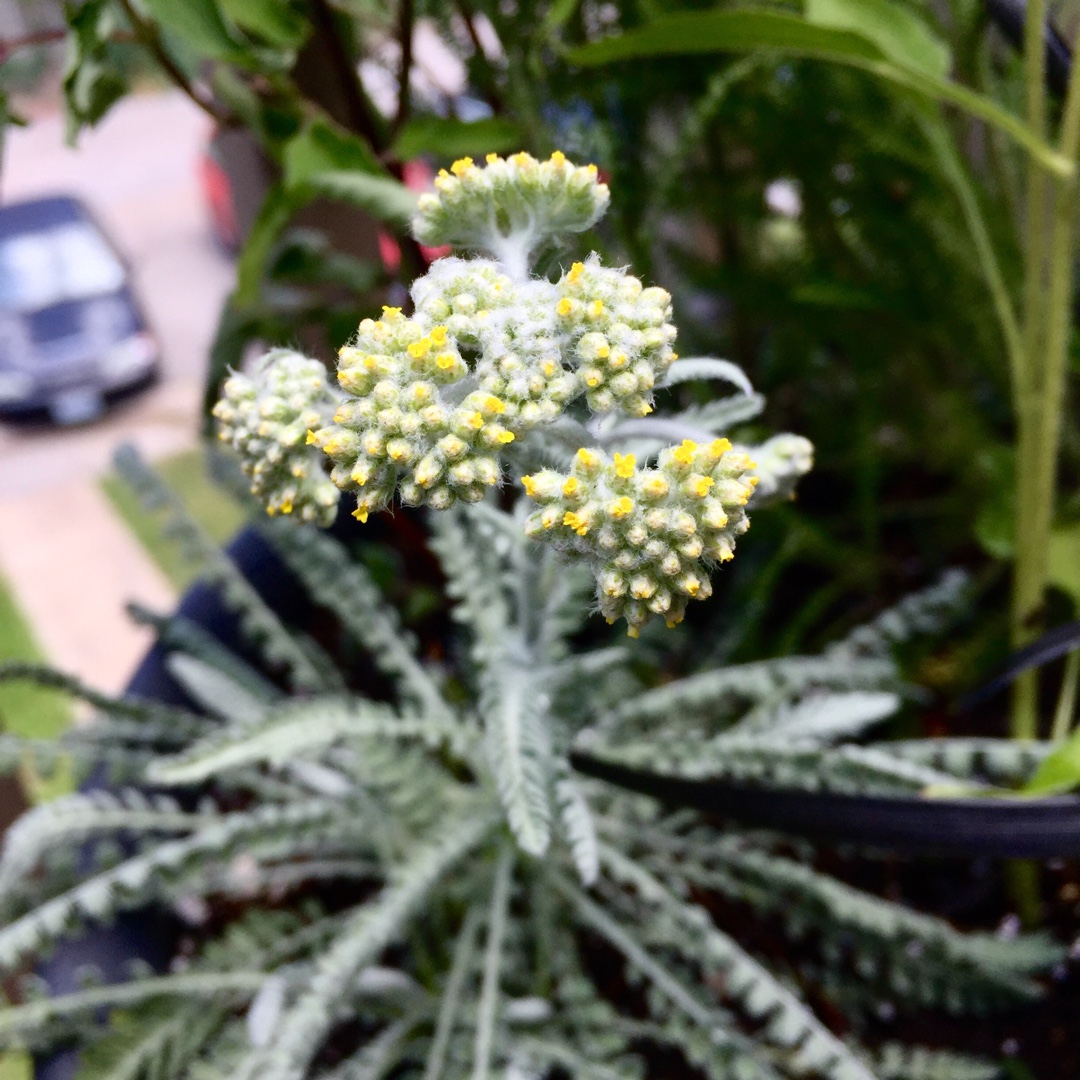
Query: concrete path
[[69, 561]]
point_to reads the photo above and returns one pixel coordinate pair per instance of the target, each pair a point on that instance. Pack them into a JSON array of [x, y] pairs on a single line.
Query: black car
[[72, 336]]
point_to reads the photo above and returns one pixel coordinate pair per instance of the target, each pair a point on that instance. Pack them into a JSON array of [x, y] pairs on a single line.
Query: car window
[[67, 262]]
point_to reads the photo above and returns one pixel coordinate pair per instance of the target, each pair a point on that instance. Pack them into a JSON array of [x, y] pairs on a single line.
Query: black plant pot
[[972, 828], [151, 935], [1035, 828]]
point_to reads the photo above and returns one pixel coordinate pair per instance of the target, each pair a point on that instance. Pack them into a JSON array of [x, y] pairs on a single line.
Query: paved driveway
[[69, 562]]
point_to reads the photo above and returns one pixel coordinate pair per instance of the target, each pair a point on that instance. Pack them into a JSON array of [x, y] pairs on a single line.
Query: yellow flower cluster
[[265, 418], [620, 334], [652, 533], [512, 326], [397, 432], [516, 200], [461, 294]]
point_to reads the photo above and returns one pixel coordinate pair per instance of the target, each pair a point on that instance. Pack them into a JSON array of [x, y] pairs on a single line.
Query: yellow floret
[[473, 420], [576, 270], [505, 437], [391, 313], [587, 458], [419, 349], [596, 309], [621, 507], [699, 485], [571, 486], [311, 439], [438, 335], [565, 306], [558, 158], [360, 515], [690, 584], [445, 361], [624, 465], [684, 453], [529, 484], [491, 158], [461, 166], [575, 522]]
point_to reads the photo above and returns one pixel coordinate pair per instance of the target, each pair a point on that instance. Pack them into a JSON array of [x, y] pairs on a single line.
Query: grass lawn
[[25, 709], [212, 507], [30, 711]]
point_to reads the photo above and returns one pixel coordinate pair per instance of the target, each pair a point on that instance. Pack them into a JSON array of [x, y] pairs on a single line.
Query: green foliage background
[[866, 319]]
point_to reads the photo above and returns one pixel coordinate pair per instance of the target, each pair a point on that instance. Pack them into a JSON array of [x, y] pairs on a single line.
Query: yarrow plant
[[441, 885], [431, 887], [498, 368]]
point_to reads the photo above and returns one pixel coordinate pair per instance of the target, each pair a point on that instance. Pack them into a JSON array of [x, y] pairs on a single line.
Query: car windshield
[[66, 262]]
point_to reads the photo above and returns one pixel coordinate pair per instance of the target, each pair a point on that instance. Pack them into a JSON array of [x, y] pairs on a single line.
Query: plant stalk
[[1027, 586], [1066, 706]]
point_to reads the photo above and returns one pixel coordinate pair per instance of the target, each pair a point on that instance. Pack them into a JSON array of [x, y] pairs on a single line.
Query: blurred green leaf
[[558, 15], [1065, 560], [836, 294], [383, 198], [322, 146], [324, 161], [92, 81], [1059, 772], [274, 215], [729, 31], [306, 258], [742, 31], [455, 138], [200, 24], [897, 31], [276, 21], [995, 527]]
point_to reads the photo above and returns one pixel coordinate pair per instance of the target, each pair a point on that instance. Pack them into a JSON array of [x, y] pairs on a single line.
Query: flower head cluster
[[781, 462], [399, 431], [620, 335], [651, 533], [428, 404], [512, 326], [511, 206], [265, 417]]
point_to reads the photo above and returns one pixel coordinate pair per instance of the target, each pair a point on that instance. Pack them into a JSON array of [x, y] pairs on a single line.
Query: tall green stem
[[1028, 575]]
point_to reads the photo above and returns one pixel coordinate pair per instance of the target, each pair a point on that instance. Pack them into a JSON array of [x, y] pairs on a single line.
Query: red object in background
[[219, 199], [416, 176]]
